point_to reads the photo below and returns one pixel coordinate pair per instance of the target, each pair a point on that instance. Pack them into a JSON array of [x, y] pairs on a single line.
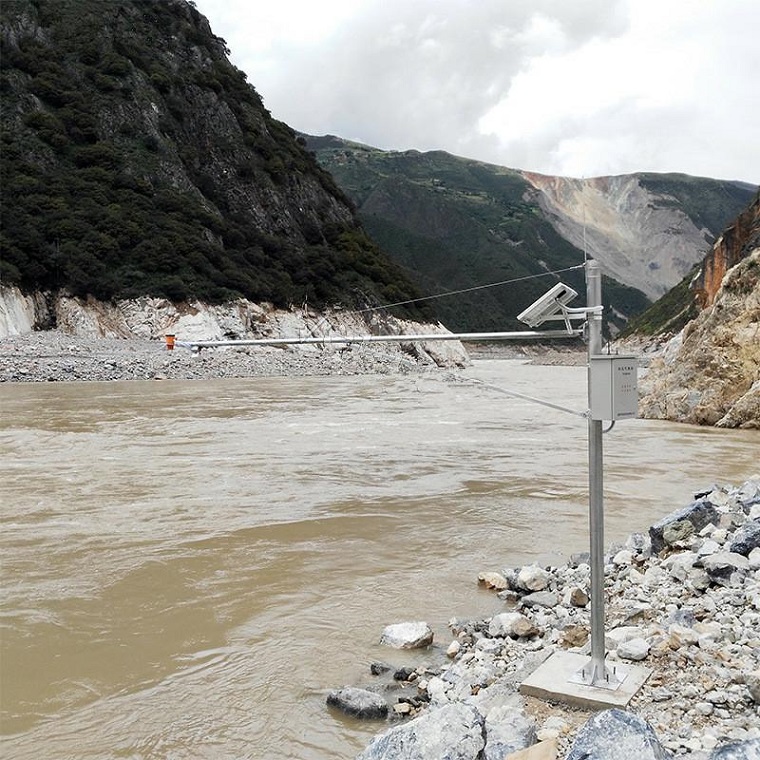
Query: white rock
[[633, 649], [617, 636], [680, 564], [493, 580], [753, 685], [754, 558], [623, 558], [681, 635], [453, 649], [410, 635], [708, 547], [533, 578], [436, 688], [653, 575], [511, 624]]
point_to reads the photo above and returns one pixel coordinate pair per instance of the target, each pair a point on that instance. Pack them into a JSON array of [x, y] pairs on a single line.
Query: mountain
[[137, 160], [458, 223], [709, 373], [646, 230]]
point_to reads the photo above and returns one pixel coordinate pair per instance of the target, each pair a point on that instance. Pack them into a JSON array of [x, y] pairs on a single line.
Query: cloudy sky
[[571, 87]]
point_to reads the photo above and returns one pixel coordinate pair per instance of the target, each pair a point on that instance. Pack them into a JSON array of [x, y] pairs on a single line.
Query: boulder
[[746, 538], [511, 624], [578, 597], [359, 703], [450, 732], [748, 493], [747, 750], [540, 599], [722, 565], [682, 523], [508, 730], [752, 680], [532, 578], [617, 735], [493, 580], [634, 649], [413, 635]]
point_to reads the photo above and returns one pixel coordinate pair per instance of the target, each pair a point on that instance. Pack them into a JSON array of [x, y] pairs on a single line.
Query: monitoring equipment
[[548, 306], [613, 390], [552, 306]]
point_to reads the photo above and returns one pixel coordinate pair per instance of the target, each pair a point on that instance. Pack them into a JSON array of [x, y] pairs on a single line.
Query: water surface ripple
[[188, 567]]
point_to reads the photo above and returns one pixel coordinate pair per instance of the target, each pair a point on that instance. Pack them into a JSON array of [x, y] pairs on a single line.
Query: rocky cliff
[[736, 242], [138, 161], [709, 373], [647, 231]]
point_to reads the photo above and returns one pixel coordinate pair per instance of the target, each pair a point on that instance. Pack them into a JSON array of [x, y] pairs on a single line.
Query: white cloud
[[603, 86]]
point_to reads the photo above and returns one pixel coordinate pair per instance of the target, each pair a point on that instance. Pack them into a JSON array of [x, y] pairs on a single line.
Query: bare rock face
[[713, 378], [636, 235], [709, 373]]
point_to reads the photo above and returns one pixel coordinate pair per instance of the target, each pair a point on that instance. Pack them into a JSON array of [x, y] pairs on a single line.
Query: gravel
[[54, 356]]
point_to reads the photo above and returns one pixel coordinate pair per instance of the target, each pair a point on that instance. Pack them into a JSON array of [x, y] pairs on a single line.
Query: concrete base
[[556, 680]]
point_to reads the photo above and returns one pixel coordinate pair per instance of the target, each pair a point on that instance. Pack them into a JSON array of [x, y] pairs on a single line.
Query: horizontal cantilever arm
[[343, 339]]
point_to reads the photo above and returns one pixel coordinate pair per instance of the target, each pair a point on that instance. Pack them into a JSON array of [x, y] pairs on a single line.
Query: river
[[189, 567]]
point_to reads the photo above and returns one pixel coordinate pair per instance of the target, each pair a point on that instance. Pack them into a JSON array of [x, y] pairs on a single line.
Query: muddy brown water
[[189, 567]]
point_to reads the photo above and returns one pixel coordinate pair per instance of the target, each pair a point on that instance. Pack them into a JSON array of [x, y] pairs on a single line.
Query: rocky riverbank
[[54, 356], [682, 599]]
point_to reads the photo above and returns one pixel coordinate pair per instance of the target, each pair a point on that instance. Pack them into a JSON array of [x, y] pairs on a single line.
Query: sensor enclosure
[[613, 387]]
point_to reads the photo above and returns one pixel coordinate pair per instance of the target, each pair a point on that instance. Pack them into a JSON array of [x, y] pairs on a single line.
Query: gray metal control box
[[613, 387]]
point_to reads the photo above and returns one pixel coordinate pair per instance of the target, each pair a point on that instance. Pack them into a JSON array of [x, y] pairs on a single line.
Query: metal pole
[[597, 674], [402, 338]]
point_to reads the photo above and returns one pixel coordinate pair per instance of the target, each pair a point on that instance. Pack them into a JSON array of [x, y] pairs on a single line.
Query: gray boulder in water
[[617, 735], [360, 703]]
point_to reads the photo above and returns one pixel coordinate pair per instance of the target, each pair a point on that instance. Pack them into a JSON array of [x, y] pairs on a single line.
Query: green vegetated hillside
[[457, 224], [137, 160]]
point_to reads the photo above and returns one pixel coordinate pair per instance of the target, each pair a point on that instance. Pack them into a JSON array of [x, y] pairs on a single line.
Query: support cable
[[467, 290], [535, 400]]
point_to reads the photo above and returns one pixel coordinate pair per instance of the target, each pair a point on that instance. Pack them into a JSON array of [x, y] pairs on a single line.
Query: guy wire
[[467, 290]]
